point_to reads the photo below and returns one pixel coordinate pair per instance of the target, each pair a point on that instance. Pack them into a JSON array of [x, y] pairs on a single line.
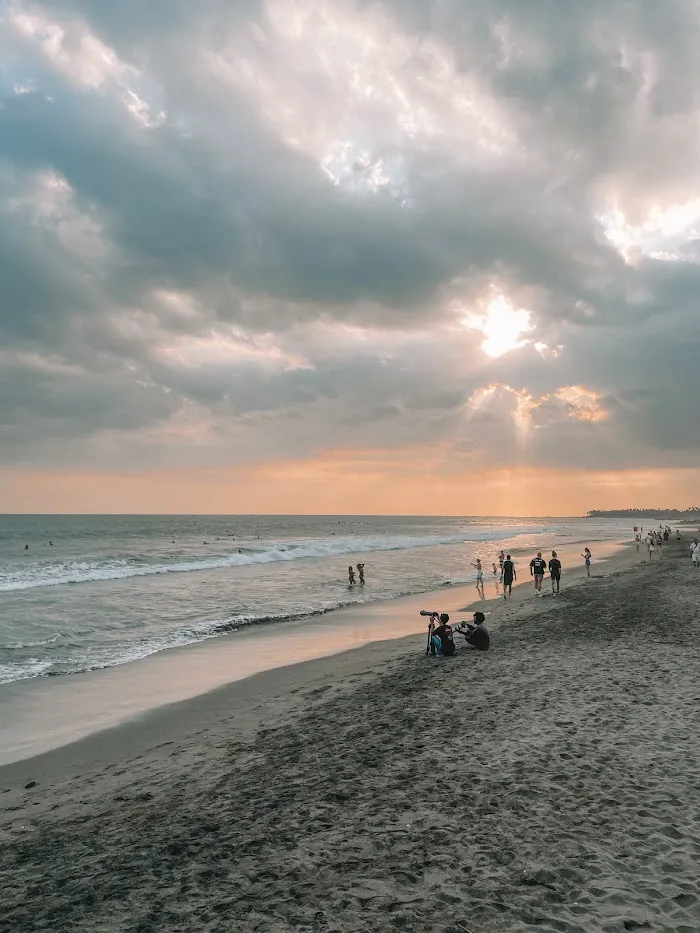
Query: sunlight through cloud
[[502, 327]]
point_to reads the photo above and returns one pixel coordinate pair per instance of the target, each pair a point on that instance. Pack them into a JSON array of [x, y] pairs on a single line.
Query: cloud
[[274, 229]]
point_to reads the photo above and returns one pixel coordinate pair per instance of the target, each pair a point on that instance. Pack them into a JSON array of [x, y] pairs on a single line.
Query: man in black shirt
[[537, 569], [442, 642], [479, 636], [508, 576], [555, 572]]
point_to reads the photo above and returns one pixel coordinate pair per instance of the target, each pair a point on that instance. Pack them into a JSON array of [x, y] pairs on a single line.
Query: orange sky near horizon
[[334, 485]]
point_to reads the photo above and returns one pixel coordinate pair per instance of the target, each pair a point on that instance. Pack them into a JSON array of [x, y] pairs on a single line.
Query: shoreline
[[541, 783], [82, 715]]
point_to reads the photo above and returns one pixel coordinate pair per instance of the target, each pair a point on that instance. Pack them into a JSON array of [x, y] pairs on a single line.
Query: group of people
[[360, 574], [655, 540], [441, 634], [507, 574]]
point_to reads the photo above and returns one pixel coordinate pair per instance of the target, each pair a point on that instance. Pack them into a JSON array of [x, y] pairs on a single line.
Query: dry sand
[[551, 783]]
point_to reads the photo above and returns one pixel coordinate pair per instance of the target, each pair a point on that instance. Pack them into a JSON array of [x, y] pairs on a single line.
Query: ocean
[[98, 591]]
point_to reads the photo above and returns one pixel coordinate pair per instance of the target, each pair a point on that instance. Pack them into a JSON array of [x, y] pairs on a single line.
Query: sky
[[343, 256]]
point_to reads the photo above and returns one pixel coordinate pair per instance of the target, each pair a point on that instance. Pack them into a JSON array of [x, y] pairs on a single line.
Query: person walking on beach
[[637, 539], [479, 577], [509, 575], [537, 569], [555, 572], [696, 556], [361, 573], [351, 575], [501, 560], [587, 559]]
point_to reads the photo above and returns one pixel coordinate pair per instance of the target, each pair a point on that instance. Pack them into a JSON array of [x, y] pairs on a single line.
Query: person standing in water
[[501, 560], [555, 573], [509, 575], [587, 559], [361, 572], [351, 576], [537, 568], [479, 577]]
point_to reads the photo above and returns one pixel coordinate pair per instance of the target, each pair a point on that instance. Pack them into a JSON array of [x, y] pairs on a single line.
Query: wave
[[187, 635], [60, 573], [42, 643]]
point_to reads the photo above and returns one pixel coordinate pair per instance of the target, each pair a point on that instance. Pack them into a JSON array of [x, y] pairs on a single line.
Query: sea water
[[98, 591]]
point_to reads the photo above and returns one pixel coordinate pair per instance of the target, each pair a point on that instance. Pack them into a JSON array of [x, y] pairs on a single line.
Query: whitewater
[[23, 576]]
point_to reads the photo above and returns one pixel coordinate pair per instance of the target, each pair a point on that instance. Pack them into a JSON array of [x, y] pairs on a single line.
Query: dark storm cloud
[[204, 210]]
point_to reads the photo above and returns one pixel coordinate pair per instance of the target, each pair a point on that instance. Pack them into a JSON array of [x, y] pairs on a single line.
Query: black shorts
[[507, 581], [556, 576]]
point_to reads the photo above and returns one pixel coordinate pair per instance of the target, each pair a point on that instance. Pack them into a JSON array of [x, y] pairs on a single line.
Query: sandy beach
[[551, 783]]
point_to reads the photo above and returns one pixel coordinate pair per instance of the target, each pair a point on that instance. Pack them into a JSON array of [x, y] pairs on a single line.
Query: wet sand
[[551, 783]]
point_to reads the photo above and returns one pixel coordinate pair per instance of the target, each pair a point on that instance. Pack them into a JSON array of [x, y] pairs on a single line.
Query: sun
[[502, 326]]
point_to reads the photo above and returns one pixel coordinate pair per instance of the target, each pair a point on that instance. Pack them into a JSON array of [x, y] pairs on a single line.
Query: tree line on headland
[[680, 514]]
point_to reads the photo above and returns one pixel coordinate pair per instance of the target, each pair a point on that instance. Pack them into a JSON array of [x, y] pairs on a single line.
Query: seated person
[[442, 642], [478, 636]]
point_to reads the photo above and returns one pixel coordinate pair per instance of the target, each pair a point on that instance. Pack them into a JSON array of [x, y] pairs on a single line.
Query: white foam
[[86, 571], [32, 644]]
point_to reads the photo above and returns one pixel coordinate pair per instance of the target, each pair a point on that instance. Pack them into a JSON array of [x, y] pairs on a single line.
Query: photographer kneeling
[[477, 635]]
